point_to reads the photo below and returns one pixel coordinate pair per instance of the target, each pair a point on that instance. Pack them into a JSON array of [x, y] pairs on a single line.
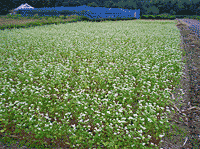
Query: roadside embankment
[[187, 107]]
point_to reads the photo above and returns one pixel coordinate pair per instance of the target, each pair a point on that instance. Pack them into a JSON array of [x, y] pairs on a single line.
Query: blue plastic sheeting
[[96, 12]]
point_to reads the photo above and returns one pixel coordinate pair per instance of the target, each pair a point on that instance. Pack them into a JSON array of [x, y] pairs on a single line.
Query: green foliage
[[9, 16], [61, 16], [161, 16], [84, 18], [36, 16], [152, 10], [93, 4], [84, 88], [109, 4], [172, 12], [14, 16], [165, 14], [193, 17], [53, 83]]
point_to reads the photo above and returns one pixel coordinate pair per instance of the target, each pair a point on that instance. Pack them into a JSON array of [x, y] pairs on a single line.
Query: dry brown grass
[[4, 21]]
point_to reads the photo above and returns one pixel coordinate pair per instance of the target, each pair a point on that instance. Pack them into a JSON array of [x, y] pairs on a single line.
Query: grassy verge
[[89, 84], [17, 21]]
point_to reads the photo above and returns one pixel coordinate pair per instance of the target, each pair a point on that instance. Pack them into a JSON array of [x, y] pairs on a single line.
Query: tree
[[170, 6], [39, 3], [93, 4], [110, 4], [191, 7], [100, 3], [59, 3], [146, 8], [153, 10], [51, 3], [68, 3]]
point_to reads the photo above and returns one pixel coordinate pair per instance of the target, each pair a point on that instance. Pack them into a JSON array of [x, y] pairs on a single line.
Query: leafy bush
[[14, 15], [165, 14], [36, 16], [84, 18], [62, 16]]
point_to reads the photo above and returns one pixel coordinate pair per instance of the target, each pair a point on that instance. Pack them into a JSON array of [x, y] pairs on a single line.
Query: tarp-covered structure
[[22, 6]]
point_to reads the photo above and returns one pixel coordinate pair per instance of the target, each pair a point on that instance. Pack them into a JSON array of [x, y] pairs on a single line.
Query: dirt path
[[190, 81]]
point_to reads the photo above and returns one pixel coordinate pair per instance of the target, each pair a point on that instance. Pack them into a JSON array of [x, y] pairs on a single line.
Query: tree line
[[151, 7]]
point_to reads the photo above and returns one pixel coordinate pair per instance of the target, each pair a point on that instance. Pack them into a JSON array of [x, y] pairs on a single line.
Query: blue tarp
[[97, 12]]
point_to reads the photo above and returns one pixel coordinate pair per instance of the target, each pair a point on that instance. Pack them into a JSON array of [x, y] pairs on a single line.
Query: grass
[[88, 84], [17, 21]]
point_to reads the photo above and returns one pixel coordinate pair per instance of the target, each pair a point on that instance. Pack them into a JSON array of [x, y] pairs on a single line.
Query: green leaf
[[3, 130]]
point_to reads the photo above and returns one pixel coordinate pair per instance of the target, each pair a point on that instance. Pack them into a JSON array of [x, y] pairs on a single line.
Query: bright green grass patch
[[112, 78]]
